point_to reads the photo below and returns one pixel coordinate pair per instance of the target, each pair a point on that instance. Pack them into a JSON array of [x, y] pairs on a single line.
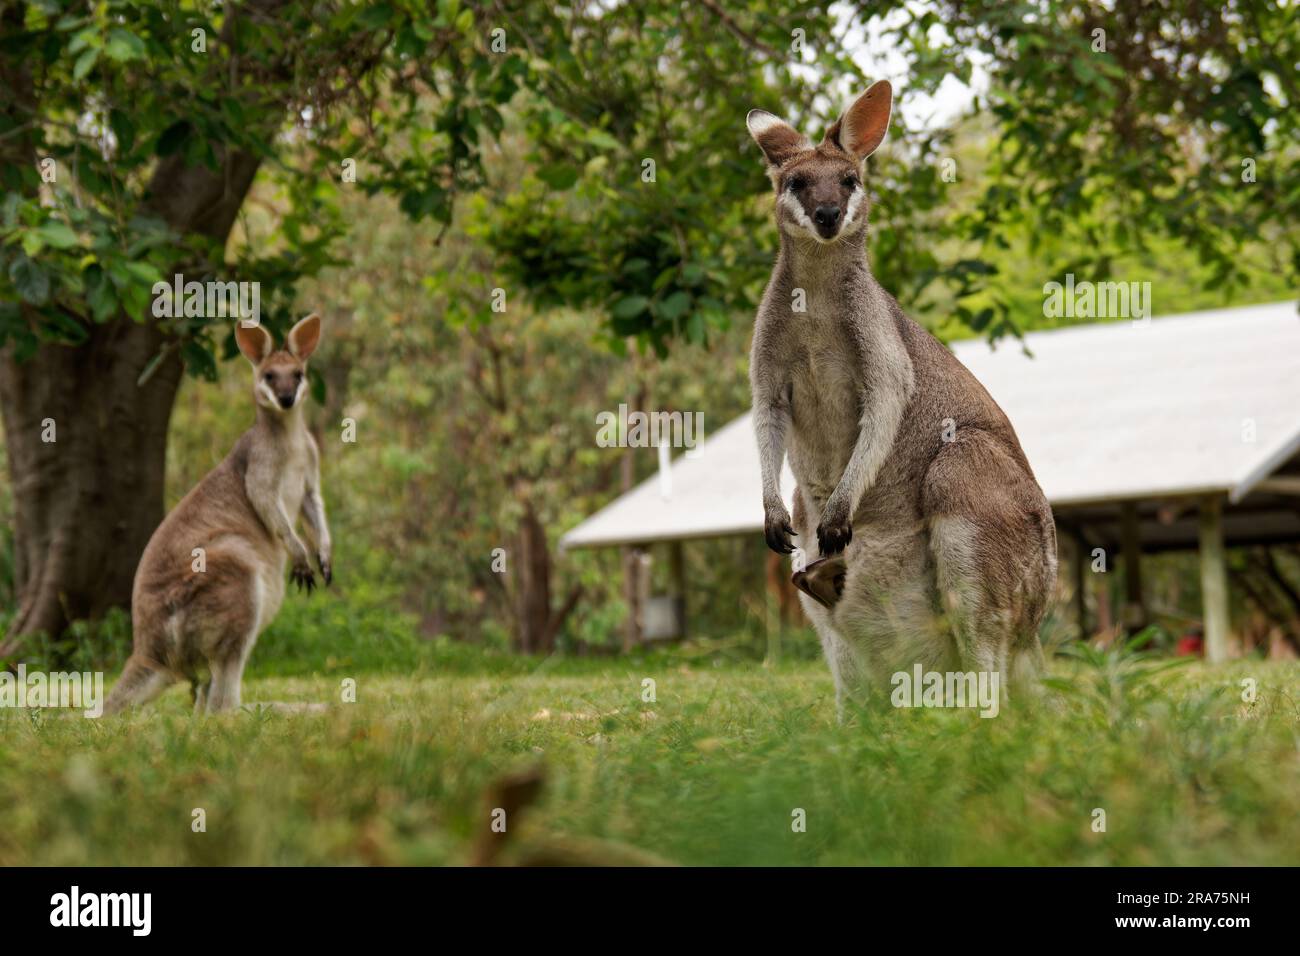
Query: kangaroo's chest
[[292, 484], [277, 475], [826, 388]]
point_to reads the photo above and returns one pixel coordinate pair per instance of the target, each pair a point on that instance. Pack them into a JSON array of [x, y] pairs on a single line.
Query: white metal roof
[[1202, 402]]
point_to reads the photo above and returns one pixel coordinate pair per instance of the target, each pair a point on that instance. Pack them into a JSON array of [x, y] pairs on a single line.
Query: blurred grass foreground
[[686, 756]]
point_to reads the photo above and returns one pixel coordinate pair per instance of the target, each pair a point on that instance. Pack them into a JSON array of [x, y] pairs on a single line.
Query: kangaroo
[[197, 614], [927, 537]]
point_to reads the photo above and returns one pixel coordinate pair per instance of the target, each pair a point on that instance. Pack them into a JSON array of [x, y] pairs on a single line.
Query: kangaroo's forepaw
[[326, 569], [833, 536], [302, 576], [777, 531]]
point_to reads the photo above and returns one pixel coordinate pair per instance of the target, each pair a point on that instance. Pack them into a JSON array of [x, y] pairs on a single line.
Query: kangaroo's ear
[[254, 341], [863, 126], [304, 337], [775, 137]]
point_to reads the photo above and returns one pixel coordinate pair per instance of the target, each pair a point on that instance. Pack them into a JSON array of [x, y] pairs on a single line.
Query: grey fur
[[949, 547], [201, 625]]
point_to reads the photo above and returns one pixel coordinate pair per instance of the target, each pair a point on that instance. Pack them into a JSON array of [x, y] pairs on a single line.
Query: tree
[[130, 134]]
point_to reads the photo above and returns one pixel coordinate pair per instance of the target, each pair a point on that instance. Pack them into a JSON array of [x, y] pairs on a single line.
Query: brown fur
[[189, 624], [946, 548]]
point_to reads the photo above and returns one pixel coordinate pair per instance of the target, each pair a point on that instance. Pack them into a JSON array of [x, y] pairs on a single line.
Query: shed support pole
[[677, 572], [1080, 569], [772, 618], [1214, 581], [632, 596], [1135, 611]]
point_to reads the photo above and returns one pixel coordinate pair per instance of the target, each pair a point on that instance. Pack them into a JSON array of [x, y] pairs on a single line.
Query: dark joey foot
[[833, 536], [326, 569], [302, 576], [823, 580], [777, 531]]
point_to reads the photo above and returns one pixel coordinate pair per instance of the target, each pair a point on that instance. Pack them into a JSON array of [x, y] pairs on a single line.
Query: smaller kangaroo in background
[[929, 540], [197, 614]]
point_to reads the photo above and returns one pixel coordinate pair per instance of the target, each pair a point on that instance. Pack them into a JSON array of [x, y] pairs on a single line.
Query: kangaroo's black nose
[[286, 401], [827, 215]]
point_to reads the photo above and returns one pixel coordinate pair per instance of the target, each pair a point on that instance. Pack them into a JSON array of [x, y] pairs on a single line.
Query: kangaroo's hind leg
[[141, 682], [233, 608], [993, 544], [200, 688]]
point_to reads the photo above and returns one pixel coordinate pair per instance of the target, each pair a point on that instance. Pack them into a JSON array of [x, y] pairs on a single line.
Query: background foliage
[[504, 145]]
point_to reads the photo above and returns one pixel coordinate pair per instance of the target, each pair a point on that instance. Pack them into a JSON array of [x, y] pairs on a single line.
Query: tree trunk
[[537, 624], [532, 563], [86, 503]]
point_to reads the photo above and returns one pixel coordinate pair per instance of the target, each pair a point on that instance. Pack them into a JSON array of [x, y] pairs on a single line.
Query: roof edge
[[1271, 462]]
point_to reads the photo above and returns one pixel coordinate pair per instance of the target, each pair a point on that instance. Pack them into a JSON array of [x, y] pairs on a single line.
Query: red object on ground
[[1190, 645]]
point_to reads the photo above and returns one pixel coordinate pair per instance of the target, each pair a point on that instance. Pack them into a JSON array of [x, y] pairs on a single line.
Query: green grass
[[709, 773]]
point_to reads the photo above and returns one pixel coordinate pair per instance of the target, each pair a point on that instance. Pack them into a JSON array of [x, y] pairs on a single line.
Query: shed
[[1148, 435]]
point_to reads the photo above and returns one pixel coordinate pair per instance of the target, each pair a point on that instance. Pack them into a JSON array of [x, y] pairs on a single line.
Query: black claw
[[834, 539], [303, 578], [779, 541]]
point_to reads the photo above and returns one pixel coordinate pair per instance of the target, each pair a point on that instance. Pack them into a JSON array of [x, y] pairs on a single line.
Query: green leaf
[[199, 361], [629, 307], [84, 63], [124, 46], [31, 280], [102, 299], [695, 328], [601, 140], [57, 234], [675, 306], [376, 17], [144, 272], [83, 40], [558, 177]]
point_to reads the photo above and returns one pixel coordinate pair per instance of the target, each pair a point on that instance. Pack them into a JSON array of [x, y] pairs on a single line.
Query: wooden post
[[633, 596], [774, 621], [1080, 569], [677, 573], [1214, 581], [1135, 612]]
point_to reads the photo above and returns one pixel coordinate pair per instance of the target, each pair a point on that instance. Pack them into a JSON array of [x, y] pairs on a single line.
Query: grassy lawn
[[710, 772]]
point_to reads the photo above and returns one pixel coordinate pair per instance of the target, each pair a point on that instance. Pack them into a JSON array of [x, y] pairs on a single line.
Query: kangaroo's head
[[819, 190], [279, 375]]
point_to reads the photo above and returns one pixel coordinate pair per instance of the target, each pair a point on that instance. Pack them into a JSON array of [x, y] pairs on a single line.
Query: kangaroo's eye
[[797, 184], [850, 182], [297, 376], [268, 377]]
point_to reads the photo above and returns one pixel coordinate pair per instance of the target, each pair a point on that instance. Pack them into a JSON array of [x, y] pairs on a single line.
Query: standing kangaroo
[[198, 613], [928, 539]]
